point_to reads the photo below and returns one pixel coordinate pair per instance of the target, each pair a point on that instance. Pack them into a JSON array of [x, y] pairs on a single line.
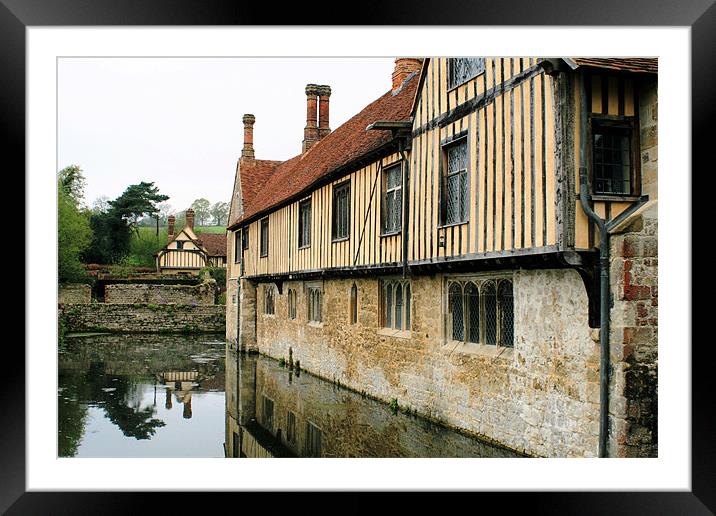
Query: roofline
[[421, 79], [573, 65], [325, 178]]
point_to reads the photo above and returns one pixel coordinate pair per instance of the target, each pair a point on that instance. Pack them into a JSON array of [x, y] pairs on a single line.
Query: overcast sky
[[177, 122]]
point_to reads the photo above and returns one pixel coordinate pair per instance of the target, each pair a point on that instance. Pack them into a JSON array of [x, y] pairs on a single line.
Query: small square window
[[614, 166]]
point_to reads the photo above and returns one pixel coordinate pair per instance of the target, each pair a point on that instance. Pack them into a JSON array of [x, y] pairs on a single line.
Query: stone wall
[[241, 294], [540, 398], [634, 331], [202, 294], [78, 293], [143, 318]]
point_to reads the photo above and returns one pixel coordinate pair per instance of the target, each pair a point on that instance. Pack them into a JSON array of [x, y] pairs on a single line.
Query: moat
[[186, 396]]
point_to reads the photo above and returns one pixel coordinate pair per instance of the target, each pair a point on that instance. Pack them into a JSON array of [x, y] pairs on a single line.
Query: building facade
[[442, 248], [188, 253]]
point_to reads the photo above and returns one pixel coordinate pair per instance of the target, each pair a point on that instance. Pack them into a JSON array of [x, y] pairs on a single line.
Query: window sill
[[615, 197], [337, 240], [486, 350], [443, 226], [263, 256], [390, 332], [304, 247], [272, 316], [315, 324], [391, 234]]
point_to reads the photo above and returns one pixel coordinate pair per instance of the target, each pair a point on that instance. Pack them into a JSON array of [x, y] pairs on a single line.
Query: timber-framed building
[[444, 248]]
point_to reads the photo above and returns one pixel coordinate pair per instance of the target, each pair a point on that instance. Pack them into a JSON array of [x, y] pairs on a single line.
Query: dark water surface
[[186, 396]]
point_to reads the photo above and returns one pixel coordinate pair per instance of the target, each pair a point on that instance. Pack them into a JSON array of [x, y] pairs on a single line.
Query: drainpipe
[[603, 273]]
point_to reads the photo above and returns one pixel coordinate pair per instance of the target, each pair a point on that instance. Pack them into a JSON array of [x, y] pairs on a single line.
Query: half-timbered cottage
[[186, 252], [479, 244]]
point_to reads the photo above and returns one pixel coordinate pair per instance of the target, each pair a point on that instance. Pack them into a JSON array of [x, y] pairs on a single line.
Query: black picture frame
[[699, 15]]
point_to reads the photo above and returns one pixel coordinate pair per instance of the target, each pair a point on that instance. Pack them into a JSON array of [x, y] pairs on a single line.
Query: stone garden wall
[[202, 294], [74, 293], [143, 318]]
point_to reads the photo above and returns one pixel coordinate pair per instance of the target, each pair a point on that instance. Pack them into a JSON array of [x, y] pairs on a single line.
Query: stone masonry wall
[[143, 318], [202, 294], [74, 293], [540, 398], [241, 295], [634, 329]]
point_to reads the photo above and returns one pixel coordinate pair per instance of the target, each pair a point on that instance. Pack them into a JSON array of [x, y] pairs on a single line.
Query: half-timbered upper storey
[[187, 252], [464, 159]]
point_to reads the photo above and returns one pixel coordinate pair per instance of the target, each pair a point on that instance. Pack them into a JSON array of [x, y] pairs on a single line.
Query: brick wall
[[74, 293], [202, 294], [143, 318]]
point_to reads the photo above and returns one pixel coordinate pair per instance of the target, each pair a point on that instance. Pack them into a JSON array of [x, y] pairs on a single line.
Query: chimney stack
[[310, 133], [170, 222], [190, 218], [324, 93], [404, 66], [248, 151]]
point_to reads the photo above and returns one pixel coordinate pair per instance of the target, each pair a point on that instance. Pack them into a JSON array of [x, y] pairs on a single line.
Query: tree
[[113, 229], [100, 204], [165, 209], [201, 209], [71, 181], [220, 211], [73, 228]]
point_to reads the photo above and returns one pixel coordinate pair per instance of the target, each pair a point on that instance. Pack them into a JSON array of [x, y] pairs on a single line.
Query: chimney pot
[[310, 133], [324, 93], [171, 220], [190, 218], [248, 151], [404, 66]]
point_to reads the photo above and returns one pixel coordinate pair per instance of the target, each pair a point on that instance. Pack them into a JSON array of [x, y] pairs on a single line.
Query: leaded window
[[455, 184], [314, 301], [395, 301], [481, 311], [291, 303], [304, 223], [341, 211], [269, 304], [237, 246], [264, 236], [462, 69], [392, 199], [613, 162]]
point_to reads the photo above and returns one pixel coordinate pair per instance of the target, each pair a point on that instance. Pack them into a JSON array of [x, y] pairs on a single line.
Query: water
[[185, 396]]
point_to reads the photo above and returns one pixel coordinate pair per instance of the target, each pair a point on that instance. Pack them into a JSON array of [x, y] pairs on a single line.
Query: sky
[[177, 121]]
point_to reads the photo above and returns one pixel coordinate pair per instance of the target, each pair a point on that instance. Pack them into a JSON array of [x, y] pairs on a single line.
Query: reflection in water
[[107, 396], [271, 412]]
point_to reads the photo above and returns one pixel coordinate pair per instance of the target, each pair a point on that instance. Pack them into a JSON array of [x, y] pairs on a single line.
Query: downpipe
[[603, 274]]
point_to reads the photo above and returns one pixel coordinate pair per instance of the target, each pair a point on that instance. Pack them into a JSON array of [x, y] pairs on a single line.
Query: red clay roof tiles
[[270, 183], [631, 64]]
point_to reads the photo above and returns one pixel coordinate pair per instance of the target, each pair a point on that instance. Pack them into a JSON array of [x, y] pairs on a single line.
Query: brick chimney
[[310, 133], [404, 66], [248, 151], [324, 97], [190, 218], [170, 222]]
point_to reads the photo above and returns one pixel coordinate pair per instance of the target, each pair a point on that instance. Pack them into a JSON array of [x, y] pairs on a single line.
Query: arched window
[[291, 303], [389, 305], [490, 300], [354, 304], [455, 307], [399, 307], [407, 306], [506, 310], [268, 299], [314, 304], [472, 309]]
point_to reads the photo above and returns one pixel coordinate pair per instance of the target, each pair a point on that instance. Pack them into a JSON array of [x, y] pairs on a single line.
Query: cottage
[[479, 243], [187, 253]]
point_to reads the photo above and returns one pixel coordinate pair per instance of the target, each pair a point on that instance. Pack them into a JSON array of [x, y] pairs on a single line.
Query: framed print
[[450, 269]]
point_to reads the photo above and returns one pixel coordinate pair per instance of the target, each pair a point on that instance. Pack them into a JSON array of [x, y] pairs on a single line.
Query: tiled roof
[[254, 174], [214, 243], [631, 64], [346, 144]]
